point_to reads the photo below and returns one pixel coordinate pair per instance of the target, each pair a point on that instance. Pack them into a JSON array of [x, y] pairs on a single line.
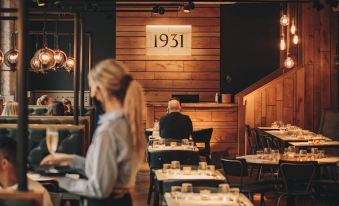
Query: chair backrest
[[235, 170], [202, 135], [297, 176], [329, 124], [197, 185], [158, 158], [262, 143], [71, 139]]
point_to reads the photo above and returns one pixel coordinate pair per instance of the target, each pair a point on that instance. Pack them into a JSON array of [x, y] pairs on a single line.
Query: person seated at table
[[44, 100], [8, 171], [68, 107], [10, 109], [175, 125], [56, 108]]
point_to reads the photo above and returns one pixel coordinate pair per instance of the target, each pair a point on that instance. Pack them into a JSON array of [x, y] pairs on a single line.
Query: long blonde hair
[[10, 109], [114, 76]]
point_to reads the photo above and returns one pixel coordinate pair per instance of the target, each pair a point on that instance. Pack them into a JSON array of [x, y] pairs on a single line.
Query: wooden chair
[[204, 136]]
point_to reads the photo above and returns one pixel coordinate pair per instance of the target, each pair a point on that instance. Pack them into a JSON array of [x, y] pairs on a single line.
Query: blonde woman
[[10, 109], [117, 150]]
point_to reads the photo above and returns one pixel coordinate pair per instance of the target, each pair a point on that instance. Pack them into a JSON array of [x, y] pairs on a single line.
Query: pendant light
[[1, 58], [293, 28], [35, 62], [70, 62], [284, 20], [289, 62], [59, 56], [46, 55], [282, 42], [295, 39], [11, 57]]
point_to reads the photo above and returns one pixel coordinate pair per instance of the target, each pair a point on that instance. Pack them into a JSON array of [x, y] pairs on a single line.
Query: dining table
[[214, 199], [151, 148], [321, 144], [262, 161], [179, 174]]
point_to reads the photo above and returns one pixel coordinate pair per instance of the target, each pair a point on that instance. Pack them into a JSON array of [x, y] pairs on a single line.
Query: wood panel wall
[[300, 95], [281, 99], [162, 76], [223, 118]]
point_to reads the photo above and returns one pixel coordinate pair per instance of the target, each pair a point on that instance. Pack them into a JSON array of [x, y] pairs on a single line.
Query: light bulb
[[282, 44], [35, 63], [45, 58], [13, 58], [70, 63], [295, 39], [284, 20], [58, 57], [289, 62], [293, 28]]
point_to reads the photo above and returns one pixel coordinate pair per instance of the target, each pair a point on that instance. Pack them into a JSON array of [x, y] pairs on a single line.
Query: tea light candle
[[205, 194], [186, 170], [173, 144]]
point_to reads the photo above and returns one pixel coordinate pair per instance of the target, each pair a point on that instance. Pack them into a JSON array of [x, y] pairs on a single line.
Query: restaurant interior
[[238, 102]]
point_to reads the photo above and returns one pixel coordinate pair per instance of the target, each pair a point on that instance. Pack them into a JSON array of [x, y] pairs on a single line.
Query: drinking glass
[[175, 165], [275, 155], [302, 154], [210, 170], [235, 193], [260, 153], [184, 142], [186, 188], [291, 149], [155, 144], [224, 188], [175, 192], [202, 168], [162, 142], [267, 153], [173, 144], [166, 168], [321, 153], [314, 151], [186, 170], [52, 139], [205, 194]]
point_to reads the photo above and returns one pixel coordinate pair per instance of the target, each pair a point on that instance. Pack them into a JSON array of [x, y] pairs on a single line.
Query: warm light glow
[[1, 57], [282, 43], [60, 58], [284, 20], [295, 39], [289, 62], [12, 58], [45, 58], [293, 28], [35, 63], [70, 63]]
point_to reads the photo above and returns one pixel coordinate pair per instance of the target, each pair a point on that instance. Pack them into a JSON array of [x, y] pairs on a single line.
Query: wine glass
[[52, 139]]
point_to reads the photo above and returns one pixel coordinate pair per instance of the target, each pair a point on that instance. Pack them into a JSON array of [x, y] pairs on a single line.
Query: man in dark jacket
[[175, 125]]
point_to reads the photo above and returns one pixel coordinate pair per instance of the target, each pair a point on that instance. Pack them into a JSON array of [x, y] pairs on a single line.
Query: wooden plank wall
[[281, 99], [223, 120], [162, 76], [300, 95], [320, 36]]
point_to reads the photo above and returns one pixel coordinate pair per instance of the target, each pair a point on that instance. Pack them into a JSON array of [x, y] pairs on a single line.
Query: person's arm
[[102, 163], [190, 125]]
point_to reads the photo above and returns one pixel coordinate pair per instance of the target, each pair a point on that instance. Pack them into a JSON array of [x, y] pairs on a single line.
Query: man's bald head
[[174, 106]]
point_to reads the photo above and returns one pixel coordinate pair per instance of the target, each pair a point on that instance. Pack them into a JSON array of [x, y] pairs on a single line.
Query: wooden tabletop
[[320, 144], [289, 138], [254, 159], [195, 200], [161, 176]]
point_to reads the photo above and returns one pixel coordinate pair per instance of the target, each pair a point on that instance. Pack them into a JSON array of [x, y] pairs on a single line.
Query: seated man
[[8, 179], [175, 125]]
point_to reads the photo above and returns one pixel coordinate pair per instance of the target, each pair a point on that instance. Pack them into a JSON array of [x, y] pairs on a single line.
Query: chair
[[235, 170], [297, 179], [329, 124], [251, 139], [158, 158], [204, 136]]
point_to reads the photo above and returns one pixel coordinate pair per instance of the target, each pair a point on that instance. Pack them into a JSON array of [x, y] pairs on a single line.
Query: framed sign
[[168, 40]]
